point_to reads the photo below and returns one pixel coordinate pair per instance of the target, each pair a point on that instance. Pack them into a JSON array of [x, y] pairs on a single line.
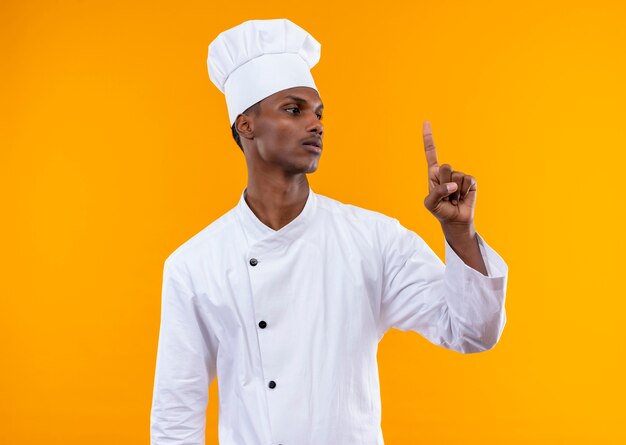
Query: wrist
[[457, 230], [461, 237]]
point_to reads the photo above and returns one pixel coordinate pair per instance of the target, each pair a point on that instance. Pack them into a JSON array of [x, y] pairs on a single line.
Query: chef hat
[[258, 58]]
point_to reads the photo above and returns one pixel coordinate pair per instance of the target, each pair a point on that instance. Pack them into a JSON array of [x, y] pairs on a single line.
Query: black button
[[272, 384], [262, 324], [254, 262]]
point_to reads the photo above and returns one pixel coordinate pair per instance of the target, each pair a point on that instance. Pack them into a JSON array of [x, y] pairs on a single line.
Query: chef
[[286, 296]]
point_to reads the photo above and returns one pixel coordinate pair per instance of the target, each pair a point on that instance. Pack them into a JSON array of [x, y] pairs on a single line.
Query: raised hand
[[451, 194]]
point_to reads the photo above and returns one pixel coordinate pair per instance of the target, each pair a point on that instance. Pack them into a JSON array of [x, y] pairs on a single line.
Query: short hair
[[256, 109]]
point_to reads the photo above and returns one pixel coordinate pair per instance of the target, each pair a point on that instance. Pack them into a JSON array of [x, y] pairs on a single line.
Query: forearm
[[475, 300], [464, 242]]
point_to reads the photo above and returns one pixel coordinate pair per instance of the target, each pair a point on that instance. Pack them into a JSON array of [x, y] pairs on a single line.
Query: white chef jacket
[[291, 319]]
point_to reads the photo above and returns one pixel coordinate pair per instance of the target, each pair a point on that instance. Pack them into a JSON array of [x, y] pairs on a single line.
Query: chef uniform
[[290, 319]]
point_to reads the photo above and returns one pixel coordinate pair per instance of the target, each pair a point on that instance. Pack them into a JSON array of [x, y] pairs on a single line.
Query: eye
[[296, 110]]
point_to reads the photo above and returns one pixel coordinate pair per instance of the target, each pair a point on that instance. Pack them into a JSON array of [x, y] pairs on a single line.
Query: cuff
[[497, 269]]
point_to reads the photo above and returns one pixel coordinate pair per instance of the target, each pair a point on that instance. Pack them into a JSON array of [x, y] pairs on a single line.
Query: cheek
[[277, 133]]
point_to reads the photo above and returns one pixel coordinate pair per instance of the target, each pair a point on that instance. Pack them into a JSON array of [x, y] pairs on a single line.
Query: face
[[287, 133]]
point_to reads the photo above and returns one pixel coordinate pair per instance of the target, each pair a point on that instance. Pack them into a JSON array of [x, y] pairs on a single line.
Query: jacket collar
[[261, 236]]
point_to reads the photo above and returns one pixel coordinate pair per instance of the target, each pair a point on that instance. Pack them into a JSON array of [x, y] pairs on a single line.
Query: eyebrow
[[301, 100]]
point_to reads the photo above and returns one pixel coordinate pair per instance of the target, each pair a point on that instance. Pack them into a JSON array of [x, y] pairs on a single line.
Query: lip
[[313, 148], [313, 144]]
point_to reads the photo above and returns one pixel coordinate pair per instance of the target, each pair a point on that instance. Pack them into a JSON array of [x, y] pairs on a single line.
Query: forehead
[[306, 94]]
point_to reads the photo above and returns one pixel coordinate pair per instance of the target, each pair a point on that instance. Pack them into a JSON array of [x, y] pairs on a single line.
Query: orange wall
[[115, 148]]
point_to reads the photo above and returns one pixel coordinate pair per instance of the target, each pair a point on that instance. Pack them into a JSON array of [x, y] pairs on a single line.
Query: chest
[[326, 288]]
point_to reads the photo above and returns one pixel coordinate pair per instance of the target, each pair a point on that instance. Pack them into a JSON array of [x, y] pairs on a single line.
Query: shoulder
[[207, 240], [349, 212], [392, 236], [368, 226]]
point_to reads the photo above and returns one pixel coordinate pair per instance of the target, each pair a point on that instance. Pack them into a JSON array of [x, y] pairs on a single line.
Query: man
[[288, 294]]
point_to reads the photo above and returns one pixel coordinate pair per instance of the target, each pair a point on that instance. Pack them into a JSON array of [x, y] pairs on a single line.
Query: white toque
[[258, 58]]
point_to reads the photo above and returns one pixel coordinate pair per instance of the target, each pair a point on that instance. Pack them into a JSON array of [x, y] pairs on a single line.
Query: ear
[[244, 125]]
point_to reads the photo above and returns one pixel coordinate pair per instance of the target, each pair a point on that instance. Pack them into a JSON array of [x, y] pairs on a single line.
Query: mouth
[[313, 144], [313, 148]]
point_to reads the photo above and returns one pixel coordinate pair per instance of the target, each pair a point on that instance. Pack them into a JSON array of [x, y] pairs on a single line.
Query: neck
[[277, 201]]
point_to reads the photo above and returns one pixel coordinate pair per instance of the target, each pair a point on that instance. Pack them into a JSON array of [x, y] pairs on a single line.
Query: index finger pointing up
[[429, 146]]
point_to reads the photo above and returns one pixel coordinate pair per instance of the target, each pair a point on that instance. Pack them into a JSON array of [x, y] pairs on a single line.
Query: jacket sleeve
[[452, 305], [185, 366]]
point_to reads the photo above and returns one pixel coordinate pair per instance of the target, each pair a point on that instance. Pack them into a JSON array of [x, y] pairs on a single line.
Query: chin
[[312, 168], [303, 167]]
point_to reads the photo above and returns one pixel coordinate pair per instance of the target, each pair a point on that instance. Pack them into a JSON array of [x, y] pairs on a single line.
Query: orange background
[[115, 148]]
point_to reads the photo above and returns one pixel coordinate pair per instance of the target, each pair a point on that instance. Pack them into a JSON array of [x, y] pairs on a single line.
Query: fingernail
[[451, 187]]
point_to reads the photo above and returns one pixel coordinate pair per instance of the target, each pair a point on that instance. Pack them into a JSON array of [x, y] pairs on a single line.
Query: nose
[[315, 126]]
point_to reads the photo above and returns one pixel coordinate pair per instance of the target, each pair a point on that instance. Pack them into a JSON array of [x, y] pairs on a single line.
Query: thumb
[[438, 193]]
